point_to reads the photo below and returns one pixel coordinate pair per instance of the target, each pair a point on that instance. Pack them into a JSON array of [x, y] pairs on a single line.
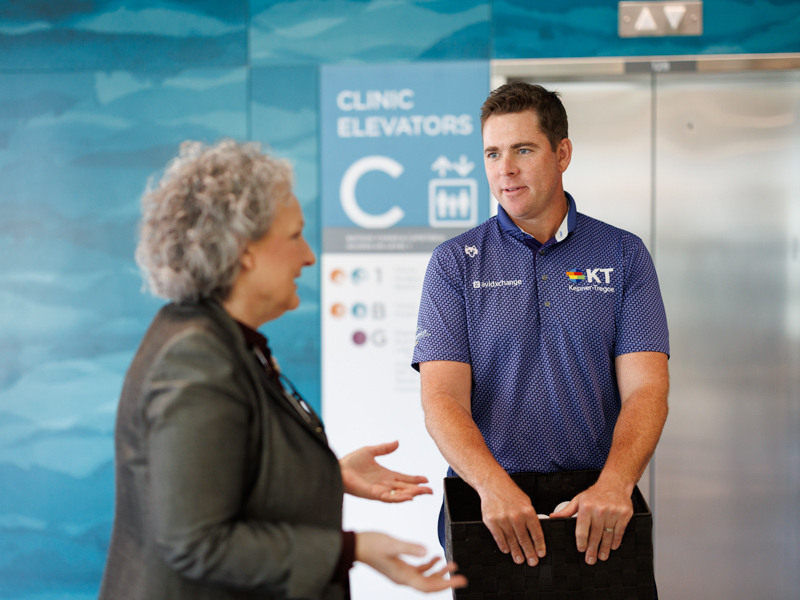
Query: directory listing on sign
[[402, 172]]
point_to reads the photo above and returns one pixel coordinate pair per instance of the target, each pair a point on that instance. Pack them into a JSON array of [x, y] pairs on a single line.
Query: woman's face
[[272, 263]]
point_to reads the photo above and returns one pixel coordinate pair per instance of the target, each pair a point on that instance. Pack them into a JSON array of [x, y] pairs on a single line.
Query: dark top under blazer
[[222, 490]]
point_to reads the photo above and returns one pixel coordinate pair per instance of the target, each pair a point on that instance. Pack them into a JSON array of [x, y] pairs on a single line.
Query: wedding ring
[[392, 492], [609, 530]]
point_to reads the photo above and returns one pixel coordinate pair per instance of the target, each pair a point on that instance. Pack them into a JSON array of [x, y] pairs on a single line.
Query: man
[[542, 341]]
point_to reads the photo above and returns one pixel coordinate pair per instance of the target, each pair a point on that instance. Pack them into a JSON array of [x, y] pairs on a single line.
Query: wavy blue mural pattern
[[285, 117], [348, 31], [123, 34], [76, 150]]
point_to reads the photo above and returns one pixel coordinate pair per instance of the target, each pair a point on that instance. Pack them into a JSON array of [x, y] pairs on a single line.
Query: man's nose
[[508, 166]]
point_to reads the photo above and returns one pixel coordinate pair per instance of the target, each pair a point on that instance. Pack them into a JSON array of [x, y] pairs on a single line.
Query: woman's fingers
[[383, 449], [383, 553]]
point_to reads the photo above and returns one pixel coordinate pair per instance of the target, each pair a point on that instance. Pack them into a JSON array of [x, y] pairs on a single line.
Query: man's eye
[[524, 150]]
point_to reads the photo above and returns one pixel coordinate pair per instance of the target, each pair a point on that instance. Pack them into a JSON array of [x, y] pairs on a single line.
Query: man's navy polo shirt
[[541, 326]]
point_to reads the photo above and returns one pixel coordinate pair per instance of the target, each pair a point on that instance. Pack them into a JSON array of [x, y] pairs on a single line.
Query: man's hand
[[603, 514], [605, 508], [365, 478], [512, 521], [507, 510]]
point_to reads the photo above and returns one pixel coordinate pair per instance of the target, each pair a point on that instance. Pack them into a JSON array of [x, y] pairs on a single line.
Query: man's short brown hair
[[520, 96]]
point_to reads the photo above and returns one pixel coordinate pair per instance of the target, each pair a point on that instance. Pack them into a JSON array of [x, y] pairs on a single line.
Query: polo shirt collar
[[567, 225]]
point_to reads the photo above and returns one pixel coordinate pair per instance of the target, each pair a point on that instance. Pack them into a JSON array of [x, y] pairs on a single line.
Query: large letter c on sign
[[347, 192]]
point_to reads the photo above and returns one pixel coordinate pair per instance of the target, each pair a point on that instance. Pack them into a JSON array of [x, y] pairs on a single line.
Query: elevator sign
[[399, 149], [402, 172]]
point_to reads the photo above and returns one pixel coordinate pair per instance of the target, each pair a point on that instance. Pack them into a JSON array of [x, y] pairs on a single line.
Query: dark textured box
[[563, 573]]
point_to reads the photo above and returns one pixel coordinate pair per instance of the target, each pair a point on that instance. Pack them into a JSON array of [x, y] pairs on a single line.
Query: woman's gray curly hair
[[197, 219]]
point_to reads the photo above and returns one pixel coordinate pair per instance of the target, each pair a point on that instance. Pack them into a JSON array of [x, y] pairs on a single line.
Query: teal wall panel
[[76, 150], [285, 117], [122, 34], [319, 31]]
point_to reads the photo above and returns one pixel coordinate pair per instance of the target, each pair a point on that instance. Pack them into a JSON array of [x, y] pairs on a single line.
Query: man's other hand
[[604, 511], [511, 519]]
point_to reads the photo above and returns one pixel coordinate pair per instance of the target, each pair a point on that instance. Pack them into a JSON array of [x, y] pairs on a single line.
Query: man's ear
[[564, 151]]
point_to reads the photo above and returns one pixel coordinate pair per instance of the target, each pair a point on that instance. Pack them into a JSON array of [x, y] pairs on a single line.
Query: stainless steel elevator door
[[727, 202], [609, 126], [610, 175], [706, 169]]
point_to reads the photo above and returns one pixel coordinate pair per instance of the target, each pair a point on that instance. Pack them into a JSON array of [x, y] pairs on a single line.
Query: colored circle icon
[[360, 275], [359, 310], [359, 338], [338, 276], [338, 310]]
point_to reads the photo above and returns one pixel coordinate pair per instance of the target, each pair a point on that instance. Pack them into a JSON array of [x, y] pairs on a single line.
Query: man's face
[[524, 173]]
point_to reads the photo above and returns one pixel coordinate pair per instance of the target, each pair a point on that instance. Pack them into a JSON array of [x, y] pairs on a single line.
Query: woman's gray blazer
[[222, 490]]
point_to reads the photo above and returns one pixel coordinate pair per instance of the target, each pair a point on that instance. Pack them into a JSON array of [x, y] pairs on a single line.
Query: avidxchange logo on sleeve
[[593, 278], [493, 284]]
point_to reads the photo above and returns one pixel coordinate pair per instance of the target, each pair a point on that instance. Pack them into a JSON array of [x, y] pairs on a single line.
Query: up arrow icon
[[442, 165], [645, 22], [674, 14]]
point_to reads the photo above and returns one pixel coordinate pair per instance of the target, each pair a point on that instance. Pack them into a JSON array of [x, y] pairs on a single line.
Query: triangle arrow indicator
[[645, 22], [674, 14]]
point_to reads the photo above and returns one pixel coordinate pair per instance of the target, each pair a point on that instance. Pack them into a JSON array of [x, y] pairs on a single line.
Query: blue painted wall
[[95, 96]]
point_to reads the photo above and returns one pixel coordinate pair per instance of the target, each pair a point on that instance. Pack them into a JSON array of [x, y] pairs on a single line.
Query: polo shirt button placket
[[547, 302]]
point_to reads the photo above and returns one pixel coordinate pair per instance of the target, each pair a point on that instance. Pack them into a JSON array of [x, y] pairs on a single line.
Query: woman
[[226, 486]]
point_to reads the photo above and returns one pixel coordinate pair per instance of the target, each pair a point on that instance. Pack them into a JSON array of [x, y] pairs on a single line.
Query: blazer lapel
[[269, 389], [310, 420]]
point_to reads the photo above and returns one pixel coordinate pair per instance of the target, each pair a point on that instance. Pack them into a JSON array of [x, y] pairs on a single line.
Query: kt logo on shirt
[[589, 275]]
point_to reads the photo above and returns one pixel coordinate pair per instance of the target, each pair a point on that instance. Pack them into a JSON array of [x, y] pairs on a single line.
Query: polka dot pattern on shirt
[[541, 329]]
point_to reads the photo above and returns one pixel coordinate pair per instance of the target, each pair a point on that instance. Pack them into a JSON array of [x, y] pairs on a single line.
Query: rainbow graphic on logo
[[576, 275]]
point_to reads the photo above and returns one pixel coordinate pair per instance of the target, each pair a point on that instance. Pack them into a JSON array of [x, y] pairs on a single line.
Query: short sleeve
[[442, 332], [641, 320]]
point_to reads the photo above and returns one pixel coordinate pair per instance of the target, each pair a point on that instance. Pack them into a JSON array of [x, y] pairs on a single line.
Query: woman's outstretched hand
[[382, 553], [365, 478]]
